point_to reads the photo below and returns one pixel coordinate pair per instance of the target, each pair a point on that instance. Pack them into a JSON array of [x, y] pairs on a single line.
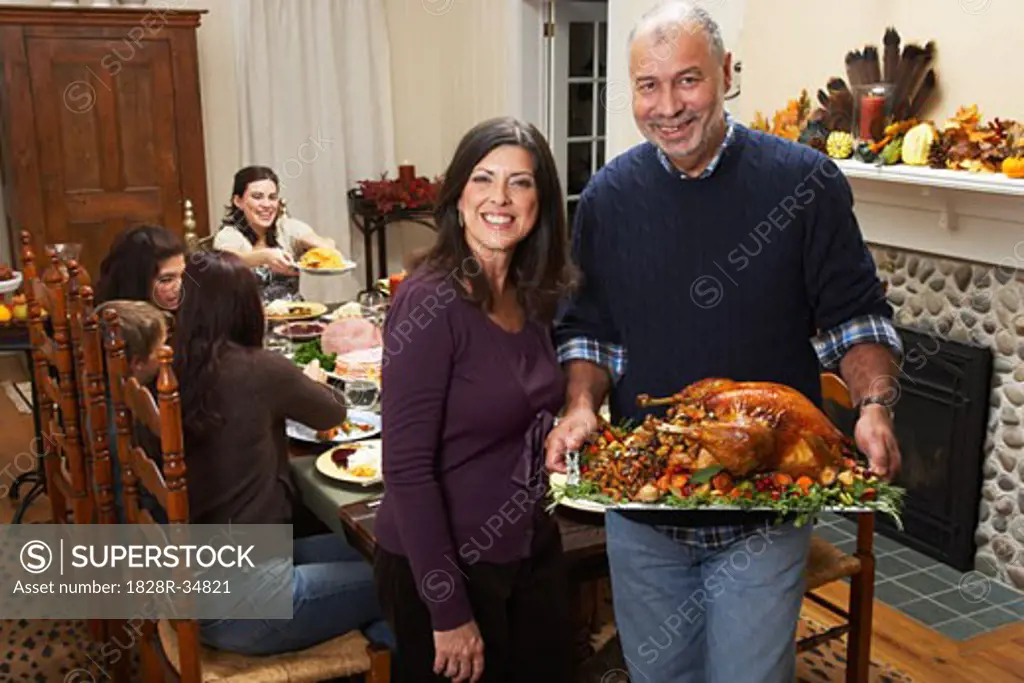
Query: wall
[[798, 45], [451, 62]]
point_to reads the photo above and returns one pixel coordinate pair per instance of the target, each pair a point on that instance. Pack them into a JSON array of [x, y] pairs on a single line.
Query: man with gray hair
[[711, 250]]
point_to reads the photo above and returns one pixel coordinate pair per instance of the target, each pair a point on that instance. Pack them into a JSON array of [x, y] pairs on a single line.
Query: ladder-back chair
[[57, 399], [826, 563], [171, 649]]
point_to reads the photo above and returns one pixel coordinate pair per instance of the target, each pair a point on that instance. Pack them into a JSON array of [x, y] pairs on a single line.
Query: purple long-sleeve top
[[466, 407]]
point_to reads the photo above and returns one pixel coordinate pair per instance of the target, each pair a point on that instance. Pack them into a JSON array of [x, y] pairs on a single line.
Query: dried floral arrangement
[[390, 195], [962, 142]]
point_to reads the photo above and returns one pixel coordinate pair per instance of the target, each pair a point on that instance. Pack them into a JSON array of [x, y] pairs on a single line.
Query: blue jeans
[[332, 593], [688, 614]]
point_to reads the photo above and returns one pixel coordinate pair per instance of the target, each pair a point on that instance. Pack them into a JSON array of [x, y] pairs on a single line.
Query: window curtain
[[314, 79]]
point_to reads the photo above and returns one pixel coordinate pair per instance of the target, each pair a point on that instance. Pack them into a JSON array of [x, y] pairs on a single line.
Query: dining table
[[350, 509]]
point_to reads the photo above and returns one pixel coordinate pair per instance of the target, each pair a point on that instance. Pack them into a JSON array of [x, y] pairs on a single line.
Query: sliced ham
[[350, 334]]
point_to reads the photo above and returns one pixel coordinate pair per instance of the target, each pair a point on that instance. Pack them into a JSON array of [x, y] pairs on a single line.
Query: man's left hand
[[876, 438]]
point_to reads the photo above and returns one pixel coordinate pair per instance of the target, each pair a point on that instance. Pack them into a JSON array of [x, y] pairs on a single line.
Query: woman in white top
[[267, 242]]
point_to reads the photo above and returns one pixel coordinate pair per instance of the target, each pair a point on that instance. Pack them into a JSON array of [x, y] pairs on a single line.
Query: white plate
[[369, 453], [8, 286], [303, 433], [557, 480], [348, 267]]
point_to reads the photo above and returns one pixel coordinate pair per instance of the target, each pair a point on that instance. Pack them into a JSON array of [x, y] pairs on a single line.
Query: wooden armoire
[[101, 123]]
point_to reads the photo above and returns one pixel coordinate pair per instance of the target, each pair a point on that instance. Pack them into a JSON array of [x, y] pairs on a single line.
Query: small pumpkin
[[1013, 167], [917, 143]]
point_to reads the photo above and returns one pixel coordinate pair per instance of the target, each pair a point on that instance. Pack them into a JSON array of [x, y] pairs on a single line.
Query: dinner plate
[[369, 452], [283, 330], [348, 267], [8, 286], [315, 310], [301, 432], [558, 480]]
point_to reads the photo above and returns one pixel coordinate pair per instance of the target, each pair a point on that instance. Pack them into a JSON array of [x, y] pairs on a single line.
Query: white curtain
[[315, 105]]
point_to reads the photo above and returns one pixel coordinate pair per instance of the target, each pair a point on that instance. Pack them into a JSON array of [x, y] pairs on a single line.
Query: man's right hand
[[569, 435]]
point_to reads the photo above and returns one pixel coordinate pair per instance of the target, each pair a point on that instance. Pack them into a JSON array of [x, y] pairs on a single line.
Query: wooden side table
[[370, 221]]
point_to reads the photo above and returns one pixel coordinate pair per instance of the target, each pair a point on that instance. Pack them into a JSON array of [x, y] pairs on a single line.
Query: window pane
[[600, 154], [602, 107], [581, 109], [570, 214], [602, 49], [581, 49], [578, 167]]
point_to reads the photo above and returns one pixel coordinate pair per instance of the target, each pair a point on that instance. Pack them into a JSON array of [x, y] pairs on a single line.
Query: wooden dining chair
[[171, 649], [58, 399], [826, 563]]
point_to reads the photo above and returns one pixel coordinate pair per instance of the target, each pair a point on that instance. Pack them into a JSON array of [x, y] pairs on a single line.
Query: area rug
[[42, 651], [826, 663]]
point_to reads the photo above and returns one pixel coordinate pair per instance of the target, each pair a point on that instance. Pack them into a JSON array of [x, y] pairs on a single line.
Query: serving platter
[[12, 284], [288, 330], [366, 424], [298, 310], [346, 267], [558, 483], [368, 453]]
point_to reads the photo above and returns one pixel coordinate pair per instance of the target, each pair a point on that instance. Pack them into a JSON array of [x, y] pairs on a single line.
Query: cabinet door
[[105, 129]]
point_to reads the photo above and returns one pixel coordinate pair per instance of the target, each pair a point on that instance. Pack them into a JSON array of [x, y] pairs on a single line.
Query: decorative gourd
[[839, 145], [891, 153], [1013, 167], [917, 143]]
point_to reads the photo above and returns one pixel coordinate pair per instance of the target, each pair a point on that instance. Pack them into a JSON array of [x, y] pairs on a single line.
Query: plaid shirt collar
[[730, 134]]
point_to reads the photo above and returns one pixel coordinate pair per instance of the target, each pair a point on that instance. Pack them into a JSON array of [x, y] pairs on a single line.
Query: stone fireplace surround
[[953, 263]]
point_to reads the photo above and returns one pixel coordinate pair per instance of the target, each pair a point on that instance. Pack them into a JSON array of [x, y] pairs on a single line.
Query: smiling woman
[[265, 240]]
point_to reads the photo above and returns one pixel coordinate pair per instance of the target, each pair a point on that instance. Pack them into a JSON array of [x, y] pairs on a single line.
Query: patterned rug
[[59, 651]]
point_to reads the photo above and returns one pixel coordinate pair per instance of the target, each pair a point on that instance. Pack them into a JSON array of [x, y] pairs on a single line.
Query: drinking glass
[[362, 394]]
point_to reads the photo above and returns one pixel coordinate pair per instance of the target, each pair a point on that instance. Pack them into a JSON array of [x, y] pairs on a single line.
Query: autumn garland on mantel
[[390, 195]]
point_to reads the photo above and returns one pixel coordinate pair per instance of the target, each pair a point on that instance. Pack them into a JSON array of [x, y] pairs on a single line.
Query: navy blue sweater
[[725, 276]]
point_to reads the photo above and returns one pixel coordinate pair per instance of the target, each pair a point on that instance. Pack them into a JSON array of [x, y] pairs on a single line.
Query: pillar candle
[[872, 108], [406, 172]]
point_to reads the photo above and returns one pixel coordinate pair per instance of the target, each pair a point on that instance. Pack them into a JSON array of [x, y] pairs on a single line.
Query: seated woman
[[267, 242], [235, 398], [145, 263], [467, 333], [144, 329]]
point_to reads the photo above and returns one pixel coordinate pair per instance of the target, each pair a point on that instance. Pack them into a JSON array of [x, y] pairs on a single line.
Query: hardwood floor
[[927, 655], [920, 652]]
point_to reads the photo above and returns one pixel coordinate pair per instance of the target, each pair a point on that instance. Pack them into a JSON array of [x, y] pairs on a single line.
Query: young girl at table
[[235, 398], [144, 330]]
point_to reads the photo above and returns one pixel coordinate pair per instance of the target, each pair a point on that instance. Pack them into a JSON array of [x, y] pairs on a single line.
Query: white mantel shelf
[[923, 176]]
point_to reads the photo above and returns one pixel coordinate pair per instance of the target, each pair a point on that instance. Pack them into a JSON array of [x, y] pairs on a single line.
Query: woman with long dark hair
[[268, 242], [235, 398], [469, 565], [145, 263]]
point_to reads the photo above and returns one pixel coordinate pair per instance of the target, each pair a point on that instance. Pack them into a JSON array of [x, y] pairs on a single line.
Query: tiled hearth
[[958, 605], [981, 304]]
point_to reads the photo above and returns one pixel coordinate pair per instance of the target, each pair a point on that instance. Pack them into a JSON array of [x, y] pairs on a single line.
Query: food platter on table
[[360, 424], [11, 283], [353, 463], [725, 446], [285, 311], [301, 330], [323, 261]]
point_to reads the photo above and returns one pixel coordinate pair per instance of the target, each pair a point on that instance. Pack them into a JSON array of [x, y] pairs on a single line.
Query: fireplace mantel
[[957, 214]]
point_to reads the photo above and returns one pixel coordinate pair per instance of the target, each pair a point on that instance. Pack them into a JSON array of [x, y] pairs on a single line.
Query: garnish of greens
[[307, 352], [854, 487]]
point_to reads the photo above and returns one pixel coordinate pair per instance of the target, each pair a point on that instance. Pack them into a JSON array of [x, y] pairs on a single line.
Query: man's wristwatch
[[876, 400]]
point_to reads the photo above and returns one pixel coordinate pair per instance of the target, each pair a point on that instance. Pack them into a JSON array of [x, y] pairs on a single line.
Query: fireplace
[[941, 423]]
